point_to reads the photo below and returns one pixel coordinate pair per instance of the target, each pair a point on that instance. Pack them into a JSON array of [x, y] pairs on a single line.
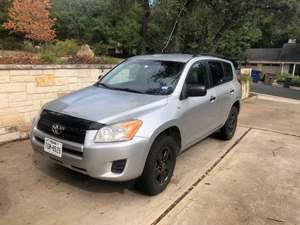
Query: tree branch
[[175, 25]]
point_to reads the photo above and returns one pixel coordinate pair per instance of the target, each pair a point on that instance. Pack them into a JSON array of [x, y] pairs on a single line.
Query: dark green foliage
[[289, 79], [66, 48], [48, 56], [225, 27], [7, 42]]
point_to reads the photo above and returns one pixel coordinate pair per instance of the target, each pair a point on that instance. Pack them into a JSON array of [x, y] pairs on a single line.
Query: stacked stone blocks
[[24, 89]]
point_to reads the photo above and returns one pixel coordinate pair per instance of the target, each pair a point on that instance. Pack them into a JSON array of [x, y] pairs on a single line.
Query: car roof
[[166, 57], [176, 57]]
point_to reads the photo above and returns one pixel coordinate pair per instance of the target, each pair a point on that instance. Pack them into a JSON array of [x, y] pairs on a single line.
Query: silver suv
[[136, 119]]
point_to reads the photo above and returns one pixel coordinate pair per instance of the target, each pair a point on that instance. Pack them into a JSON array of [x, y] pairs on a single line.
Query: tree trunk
[[144, 24], [217, 40], [228, 24]]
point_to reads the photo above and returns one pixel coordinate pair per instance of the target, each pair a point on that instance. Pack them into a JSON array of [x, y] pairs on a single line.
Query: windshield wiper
[[119, 88], [127, 89], [103, 85]]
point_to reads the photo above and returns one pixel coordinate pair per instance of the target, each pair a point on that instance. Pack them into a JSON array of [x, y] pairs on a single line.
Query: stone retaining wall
[[25, 88]]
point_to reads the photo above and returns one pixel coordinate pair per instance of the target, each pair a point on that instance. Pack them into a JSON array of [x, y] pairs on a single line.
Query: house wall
[[25, 88], [285, 68], [274, 69], [269, 68]]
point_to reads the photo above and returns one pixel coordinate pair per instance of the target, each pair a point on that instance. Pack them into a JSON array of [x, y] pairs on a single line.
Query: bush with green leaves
[[10, 43], [48, 56], [289, 79], [110, 60], [67, 47], [29, 47], [50, 53], [100, 49]]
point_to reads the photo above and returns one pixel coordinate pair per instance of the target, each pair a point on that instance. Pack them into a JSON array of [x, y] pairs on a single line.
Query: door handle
[[232, 91], [212, 98]]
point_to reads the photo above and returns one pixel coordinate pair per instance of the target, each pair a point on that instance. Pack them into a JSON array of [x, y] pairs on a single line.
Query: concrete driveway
[[252, 179]]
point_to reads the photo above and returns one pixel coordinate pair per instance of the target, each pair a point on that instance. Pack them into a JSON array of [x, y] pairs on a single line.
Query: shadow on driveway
[[81, 181]]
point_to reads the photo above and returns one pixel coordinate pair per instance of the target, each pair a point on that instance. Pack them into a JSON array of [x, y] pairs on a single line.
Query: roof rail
[[209, 54]]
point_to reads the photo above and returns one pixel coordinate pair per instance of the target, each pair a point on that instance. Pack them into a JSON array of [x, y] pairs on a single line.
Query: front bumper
[[96, 159]]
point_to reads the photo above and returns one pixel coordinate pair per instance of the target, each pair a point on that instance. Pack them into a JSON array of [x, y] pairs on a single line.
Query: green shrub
[[246, 79], [289, 79], [110, 60], [262, 76], [28, 46], [48, 56], [66, 48], [10, 43], [99, 49], [295, 81]]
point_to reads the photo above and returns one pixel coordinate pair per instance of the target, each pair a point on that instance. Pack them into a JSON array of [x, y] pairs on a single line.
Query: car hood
[[105, 105]]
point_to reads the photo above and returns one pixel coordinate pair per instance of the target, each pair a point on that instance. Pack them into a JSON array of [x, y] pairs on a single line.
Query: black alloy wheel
[[159, 166]]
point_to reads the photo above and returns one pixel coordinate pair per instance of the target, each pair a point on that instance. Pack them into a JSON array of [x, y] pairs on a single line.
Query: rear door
[[221, 76]]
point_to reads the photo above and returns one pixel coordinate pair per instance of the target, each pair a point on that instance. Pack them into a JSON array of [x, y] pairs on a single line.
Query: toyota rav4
[[135, 120]]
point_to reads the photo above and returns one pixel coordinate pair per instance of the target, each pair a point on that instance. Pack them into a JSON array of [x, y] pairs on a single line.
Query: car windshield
[[144, 76]]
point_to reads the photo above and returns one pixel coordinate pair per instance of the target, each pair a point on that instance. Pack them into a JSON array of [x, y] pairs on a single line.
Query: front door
[[198, 118]]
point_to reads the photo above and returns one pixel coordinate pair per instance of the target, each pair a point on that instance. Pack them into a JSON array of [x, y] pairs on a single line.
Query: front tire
[[228, 130], [159, 166]]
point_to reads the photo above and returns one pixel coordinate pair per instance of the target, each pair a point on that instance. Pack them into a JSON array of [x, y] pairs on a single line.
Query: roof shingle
[[288, 53]]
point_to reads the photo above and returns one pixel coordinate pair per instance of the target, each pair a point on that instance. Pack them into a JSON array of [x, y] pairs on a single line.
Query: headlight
[[124, 131]]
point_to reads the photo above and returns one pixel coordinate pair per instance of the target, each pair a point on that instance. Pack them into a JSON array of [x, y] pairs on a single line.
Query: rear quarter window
[[221, 72], [228, 73], [216, 72]]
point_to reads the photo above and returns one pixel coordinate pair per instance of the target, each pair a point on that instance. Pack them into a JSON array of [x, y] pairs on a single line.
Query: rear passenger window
[[221, 72], [217, 73], [228, 73]]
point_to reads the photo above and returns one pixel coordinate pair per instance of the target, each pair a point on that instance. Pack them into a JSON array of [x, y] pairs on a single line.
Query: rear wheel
[[159, 166], [229, 128]]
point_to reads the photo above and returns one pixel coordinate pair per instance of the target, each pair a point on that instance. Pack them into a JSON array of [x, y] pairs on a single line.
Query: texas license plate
[[53, 147]]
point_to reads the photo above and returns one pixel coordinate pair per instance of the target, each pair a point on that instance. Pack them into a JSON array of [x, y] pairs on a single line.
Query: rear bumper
[[96, 159]]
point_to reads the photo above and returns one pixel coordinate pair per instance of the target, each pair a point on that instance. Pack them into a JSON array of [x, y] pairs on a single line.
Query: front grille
[[74, 128]]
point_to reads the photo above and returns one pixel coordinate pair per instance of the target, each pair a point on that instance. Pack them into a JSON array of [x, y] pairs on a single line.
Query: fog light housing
[[118, 166]]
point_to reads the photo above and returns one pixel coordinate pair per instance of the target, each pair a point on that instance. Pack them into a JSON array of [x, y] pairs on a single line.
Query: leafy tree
[[160, 24], [4, 4], [234, 43], [7, 42], [215, 25], [281, 23], [145, 5], [225, 27], [31, 17]]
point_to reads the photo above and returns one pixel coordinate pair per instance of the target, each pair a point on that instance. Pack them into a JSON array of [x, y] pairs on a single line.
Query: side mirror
[[195, 91]]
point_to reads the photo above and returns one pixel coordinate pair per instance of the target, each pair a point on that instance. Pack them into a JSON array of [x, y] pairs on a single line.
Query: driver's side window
[[198, 75]]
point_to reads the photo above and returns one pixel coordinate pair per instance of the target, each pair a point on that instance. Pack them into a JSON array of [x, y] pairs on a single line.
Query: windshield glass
[[144, 76]]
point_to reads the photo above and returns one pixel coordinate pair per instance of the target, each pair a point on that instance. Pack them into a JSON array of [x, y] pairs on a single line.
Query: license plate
[[53, 147]]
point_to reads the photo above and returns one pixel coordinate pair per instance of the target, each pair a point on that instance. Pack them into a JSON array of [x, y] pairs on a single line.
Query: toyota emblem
[[57, 128]]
